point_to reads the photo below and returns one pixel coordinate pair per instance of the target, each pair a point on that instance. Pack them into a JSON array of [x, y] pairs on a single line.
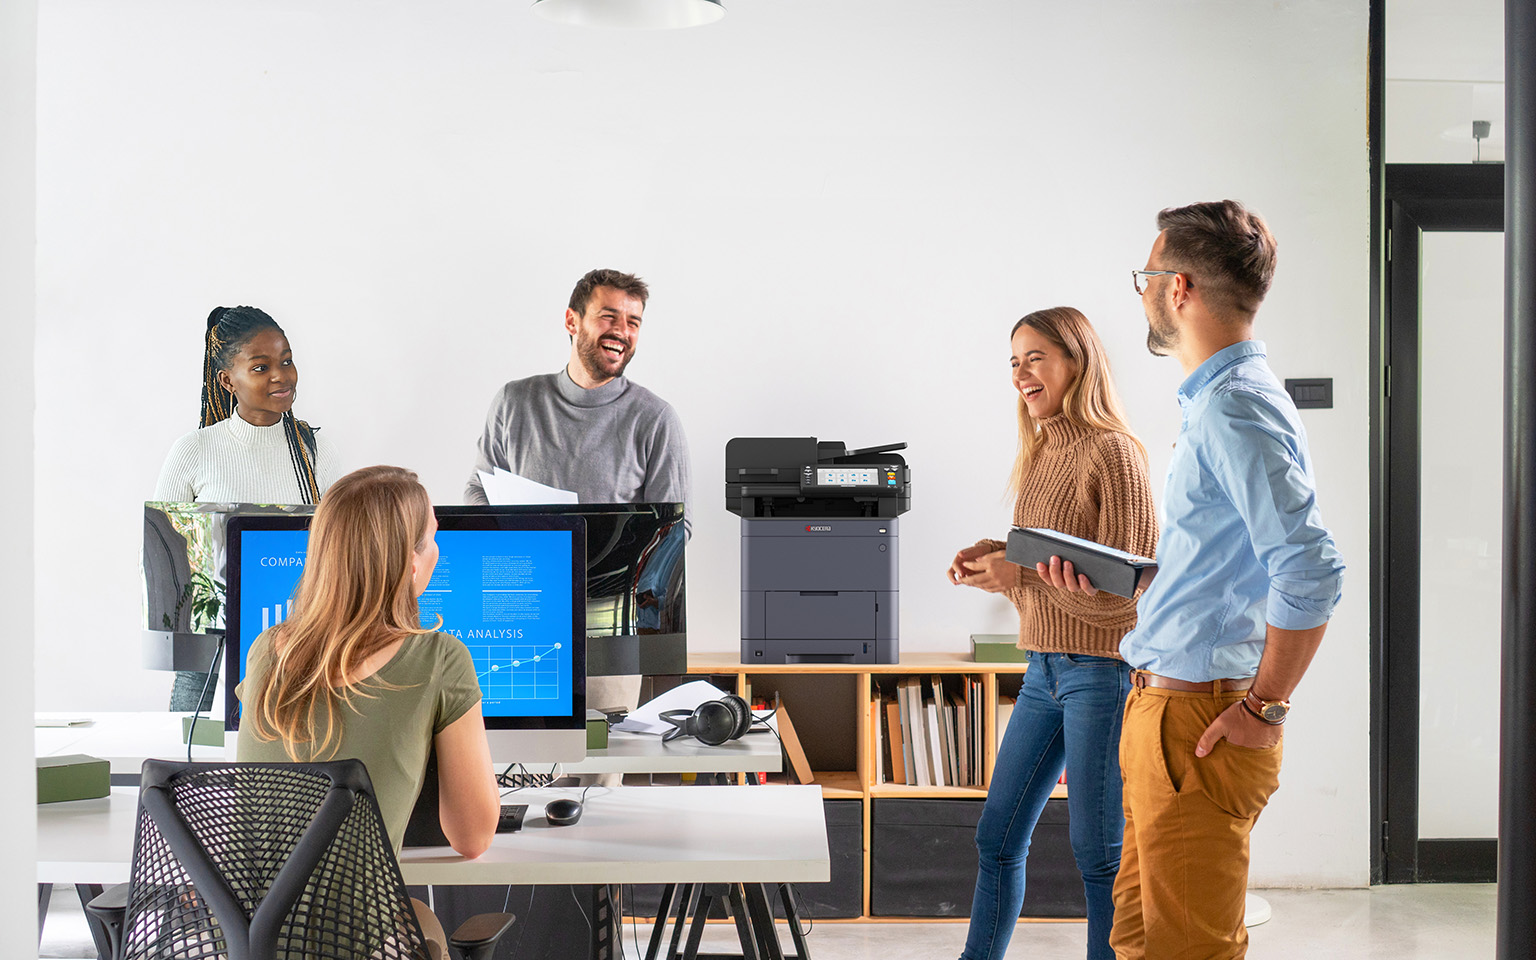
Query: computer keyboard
[[511, 817]]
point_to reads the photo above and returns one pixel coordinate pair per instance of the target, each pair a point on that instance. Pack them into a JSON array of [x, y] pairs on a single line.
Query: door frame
[[1417, 198]]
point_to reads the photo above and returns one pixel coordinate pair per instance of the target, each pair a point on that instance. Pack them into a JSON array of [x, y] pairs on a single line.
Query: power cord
[[634, 922], [527, 913], [794, 892], [577, 900], [512, 782]]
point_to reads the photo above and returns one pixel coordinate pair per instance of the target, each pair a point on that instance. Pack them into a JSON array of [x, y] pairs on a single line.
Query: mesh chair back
[[255, 861]]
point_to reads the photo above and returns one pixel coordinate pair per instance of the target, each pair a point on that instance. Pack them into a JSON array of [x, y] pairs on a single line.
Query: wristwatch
[[1272, 712]]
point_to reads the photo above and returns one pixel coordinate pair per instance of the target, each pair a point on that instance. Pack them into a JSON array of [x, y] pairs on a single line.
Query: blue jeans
[[1068, 714]]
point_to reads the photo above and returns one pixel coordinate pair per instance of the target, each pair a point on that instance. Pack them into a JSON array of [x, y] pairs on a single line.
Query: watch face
[[1275, 712]]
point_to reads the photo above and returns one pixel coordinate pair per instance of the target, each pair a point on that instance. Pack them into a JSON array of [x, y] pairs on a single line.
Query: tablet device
[[1107, 568]]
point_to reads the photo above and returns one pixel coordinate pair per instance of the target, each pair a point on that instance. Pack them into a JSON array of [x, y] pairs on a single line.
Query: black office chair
[[256, 861]]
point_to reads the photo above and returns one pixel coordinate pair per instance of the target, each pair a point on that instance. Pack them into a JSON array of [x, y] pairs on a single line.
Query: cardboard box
[[209, 732], [997, 648], [72, 777], [597, 730]]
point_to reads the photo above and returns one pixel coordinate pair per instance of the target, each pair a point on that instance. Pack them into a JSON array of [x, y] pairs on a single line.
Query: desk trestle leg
[[747, 929], [659, 928], [688, 905], [696, 929]]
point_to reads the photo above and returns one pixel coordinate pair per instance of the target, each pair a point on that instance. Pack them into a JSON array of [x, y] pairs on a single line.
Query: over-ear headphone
[[713, 721]]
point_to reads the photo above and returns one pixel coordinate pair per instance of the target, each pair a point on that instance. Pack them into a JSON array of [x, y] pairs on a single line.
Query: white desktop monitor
[[512, 587]]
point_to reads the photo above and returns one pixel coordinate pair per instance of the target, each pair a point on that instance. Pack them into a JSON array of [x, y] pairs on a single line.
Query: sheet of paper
[[646, 718], [57, 721], [505, 487]]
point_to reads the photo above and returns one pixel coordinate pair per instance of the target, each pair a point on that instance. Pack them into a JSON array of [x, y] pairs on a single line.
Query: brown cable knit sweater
[[1091, 484]]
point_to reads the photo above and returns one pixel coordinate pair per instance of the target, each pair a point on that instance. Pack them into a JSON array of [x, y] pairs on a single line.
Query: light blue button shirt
[[1242, 543]]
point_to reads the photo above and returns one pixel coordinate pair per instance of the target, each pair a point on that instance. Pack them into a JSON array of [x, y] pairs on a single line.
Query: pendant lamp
[[631, 14]]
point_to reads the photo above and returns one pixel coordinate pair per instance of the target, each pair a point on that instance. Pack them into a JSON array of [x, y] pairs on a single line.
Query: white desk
[[770, 834], [127, 739]]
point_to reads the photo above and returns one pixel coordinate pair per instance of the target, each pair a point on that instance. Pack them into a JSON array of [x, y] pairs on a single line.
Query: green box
[[72, 777], [209, 733], [597, 730], [997, 648]]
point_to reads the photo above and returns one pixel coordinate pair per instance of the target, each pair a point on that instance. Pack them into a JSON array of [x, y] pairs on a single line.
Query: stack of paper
[[504, 487]]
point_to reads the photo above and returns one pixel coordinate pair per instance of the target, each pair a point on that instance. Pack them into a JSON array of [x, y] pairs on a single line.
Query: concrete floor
[[1422, 922]]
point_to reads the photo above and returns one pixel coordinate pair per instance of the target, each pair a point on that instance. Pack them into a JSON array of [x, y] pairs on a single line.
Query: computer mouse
[[562, 812]]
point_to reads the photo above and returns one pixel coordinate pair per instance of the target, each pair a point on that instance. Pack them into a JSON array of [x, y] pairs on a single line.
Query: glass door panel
[[1461, 404]]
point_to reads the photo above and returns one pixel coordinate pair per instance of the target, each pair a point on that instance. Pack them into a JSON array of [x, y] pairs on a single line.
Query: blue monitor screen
[[507, 593], [508, 597]]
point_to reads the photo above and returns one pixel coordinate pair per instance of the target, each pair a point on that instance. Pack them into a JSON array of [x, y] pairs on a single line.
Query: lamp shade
[[631, 14]]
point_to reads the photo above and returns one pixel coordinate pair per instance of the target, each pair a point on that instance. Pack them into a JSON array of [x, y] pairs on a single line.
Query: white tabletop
[[127, 739], [757, 752], [763, 834], [769, 834]]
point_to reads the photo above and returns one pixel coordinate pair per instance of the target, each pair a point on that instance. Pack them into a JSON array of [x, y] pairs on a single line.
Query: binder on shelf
[[909, 745], [793, 752], [946, 733], [956, 721], [962, 725], [978, 732], [875, 723], [899, 747], [931, 732], [1004, 714], [922, 757], [1109, 569]]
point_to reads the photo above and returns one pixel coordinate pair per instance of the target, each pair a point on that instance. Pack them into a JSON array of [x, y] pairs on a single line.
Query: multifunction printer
[[820, 569]]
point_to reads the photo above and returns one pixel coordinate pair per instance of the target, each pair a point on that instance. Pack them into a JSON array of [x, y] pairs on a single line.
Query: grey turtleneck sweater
[[617, 443]]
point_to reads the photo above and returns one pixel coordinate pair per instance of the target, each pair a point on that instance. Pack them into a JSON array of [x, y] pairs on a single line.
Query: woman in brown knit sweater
[[1080, 471]]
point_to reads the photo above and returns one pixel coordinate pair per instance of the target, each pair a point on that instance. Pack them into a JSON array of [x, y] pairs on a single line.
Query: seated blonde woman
[[353, 674]]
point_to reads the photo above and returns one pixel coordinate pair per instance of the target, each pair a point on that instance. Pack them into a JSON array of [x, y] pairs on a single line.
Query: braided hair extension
[[229, 330]]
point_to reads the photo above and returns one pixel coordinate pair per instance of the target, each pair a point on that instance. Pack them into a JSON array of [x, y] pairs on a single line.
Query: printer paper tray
[[815, 614]]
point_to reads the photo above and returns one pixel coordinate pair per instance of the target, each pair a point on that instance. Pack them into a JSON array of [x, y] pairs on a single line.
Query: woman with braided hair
[[249, 447]]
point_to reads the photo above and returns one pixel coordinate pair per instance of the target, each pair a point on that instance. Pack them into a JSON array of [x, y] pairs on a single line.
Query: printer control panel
[[865, 478]]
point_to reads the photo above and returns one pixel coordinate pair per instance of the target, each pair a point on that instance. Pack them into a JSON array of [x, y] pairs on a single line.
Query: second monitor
[[512, 587], [637, 603]]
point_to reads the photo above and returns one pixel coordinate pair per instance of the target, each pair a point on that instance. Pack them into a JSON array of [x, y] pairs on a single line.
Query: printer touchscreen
[[844, 477], [873, 476]]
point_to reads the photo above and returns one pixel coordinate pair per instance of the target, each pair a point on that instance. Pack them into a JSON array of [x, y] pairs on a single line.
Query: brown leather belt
[[1141, 678]]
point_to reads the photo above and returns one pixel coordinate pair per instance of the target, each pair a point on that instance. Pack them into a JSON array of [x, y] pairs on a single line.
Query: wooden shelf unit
[[859, 783]]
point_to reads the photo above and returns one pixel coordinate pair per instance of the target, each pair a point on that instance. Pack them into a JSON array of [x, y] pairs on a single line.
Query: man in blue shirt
[[1247, 579]]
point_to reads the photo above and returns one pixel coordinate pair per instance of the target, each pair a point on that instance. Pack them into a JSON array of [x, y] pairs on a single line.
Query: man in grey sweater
[[588, 428]]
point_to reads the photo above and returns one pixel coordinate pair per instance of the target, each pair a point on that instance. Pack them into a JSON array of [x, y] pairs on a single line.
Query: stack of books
[[927, 735]]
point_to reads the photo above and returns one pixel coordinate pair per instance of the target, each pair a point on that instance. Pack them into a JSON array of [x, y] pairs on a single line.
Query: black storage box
[[841, 896], [923, 861]]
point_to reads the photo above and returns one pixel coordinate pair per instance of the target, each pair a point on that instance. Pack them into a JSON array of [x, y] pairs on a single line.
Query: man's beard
[[595, 359], [1162, 335]]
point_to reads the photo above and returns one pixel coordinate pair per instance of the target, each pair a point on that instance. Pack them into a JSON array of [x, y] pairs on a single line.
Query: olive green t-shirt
[[391, 730]]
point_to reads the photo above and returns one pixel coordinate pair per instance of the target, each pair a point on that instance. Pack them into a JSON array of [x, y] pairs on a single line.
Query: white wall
[[18, 239], [841, 208]]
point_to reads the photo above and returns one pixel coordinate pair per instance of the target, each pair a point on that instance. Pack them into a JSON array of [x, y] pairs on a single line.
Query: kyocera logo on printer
[[818, 529]]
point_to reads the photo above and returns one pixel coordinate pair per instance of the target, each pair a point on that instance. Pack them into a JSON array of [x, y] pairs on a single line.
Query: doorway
[[1436, 657]]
